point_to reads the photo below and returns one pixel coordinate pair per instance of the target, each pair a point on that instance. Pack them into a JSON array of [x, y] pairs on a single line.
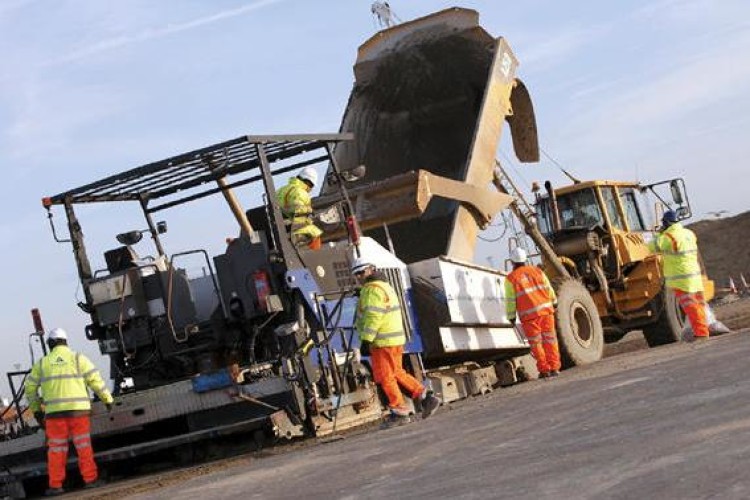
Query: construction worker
[[296, 207], [678, 247], [530, 296], [64, 378], [381, 335]]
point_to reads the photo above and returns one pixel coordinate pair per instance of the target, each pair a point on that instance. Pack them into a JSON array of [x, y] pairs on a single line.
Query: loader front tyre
[[579, 328], [667, 329]]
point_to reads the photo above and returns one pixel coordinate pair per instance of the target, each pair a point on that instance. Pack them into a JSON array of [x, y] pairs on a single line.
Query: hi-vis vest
[[379, 315], [296, 207], [528, 293], [678, 247], [64, 377]]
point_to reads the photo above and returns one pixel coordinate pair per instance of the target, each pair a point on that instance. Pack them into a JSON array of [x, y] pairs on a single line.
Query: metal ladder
[[521, 208]]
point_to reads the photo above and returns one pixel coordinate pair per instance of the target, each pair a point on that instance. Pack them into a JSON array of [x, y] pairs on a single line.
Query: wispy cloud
[[153, 33], [554, 50], [46, 110], [629, 110]]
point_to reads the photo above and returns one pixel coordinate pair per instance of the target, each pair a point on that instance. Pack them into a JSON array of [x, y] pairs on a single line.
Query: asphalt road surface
[[671, 422]]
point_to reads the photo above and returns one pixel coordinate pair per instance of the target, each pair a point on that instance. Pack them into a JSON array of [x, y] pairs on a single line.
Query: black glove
[[364, 348], [109, 407], [39, 417]]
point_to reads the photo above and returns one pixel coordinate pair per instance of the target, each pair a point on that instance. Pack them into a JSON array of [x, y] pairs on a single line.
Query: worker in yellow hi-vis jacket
[[296, 207], [381, 335], [678, 247], [64, 378]]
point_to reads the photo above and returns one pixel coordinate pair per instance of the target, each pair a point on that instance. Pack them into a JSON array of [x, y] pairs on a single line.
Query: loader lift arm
[[407, 196], [523, 212]]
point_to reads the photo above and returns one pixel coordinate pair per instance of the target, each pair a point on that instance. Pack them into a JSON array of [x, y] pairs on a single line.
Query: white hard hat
[[360, 264], [57, 334], [309, 174], [518, 255]]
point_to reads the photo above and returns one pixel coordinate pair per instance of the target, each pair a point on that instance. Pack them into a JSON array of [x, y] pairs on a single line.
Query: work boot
[[543, 374], [430, 404], [53, 492], [395, 420], [401, 411], [554, 373], [93, 484]]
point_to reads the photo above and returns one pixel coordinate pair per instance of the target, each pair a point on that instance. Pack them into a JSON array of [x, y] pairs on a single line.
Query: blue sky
[[647, 89]]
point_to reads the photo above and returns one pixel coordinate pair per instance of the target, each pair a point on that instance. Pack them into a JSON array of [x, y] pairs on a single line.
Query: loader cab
[[599, 228], [610, 207]]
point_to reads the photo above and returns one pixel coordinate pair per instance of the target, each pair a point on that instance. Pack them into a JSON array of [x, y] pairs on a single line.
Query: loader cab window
[[579, 209], [632, 210], [610, 201]]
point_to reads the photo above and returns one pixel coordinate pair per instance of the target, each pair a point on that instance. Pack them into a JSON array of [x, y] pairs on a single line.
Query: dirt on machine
[[262, 337]]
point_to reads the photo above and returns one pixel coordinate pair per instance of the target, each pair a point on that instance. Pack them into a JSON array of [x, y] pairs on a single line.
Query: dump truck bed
[[433, 94]]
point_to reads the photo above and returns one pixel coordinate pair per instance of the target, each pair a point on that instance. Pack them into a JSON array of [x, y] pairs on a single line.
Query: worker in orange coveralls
[[529, 294], [678, 247], [65, 378], [381, 333]]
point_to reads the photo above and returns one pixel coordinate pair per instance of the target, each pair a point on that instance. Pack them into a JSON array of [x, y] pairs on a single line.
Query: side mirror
[[129, 238], [161, 227], [674, 187], [682, 213]]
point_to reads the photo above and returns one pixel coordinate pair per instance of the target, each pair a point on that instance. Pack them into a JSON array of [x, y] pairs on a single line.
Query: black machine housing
[[159, 325]]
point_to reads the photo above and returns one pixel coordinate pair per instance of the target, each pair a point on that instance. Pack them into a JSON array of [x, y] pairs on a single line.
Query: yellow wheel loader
[[599, 232]]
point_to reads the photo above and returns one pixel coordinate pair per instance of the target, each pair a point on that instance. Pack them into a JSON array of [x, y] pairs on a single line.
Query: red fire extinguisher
[[262, 289]]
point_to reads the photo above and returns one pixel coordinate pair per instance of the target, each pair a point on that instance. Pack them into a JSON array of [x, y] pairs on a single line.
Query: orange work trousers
[[59, 430], [694, 307], [540, 332], [389, 374]]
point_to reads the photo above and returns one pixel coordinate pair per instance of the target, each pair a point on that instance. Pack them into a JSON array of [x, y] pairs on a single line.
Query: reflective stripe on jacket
[[678, 247], [529, 293], [379, 315], [64, 377], [296, 207]]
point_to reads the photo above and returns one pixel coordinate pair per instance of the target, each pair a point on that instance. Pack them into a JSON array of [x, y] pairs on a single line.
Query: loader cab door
[[615, 220], [634, 214]]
